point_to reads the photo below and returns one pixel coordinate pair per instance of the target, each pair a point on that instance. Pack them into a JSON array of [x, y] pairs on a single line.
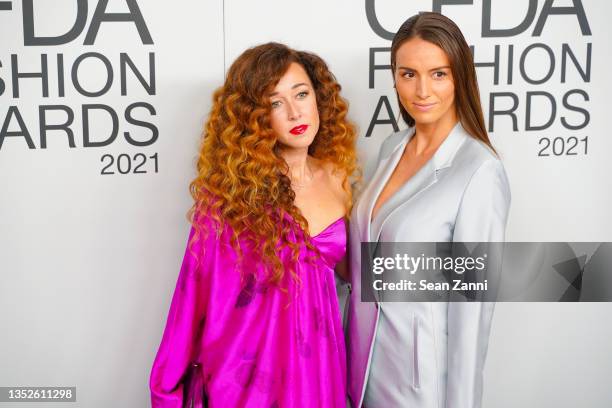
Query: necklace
[[308, 178]]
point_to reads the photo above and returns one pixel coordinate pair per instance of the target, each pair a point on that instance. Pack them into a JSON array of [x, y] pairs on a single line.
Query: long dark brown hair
[[443, 32]]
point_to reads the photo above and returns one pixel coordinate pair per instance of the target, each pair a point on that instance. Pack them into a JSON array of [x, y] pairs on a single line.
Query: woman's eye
[[276, 104], [408, 74], [302, 94], [439, 74]]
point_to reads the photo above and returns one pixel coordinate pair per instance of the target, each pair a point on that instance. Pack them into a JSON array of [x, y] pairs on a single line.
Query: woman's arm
[[336, 179], [481, 218], [342, 268], [179, 345], [484, 207]]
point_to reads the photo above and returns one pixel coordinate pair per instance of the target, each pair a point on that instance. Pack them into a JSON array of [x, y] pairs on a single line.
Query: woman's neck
[[429, 136], [300, 166]]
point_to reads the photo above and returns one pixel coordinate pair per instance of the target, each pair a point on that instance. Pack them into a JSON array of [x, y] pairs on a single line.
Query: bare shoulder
[[334, 174], [333, 177]]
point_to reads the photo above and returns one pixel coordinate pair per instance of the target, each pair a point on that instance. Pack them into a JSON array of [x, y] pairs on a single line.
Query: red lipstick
[[298, 130]]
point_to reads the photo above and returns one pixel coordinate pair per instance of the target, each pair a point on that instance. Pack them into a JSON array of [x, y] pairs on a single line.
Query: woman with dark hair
[[254, 321], [440, 180]]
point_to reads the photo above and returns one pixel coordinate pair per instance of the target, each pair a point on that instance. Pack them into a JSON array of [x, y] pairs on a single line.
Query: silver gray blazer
[[460, 195]]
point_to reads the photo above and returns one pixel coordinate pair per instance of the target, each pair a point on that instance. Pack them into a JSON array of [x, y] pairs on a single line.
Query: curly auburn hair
[[241, 180]]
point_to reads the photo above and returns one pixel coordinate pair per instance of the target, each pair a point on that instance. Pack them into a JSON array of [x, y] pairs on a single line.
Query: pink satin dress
[[254, 344]]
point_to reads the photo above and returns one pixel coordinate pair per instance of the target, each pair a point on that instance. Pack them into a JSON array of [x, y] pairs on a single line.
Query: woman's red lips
[[298, 130]]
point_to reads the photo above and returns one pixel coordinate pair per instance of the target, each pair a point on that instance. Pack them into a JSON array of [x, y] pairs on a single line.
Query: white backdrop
[[88, 261]]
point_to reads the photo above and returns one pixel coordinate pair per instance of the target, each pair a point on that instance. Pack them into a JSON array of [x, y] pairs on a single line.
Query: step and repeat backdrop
[[102, 103]]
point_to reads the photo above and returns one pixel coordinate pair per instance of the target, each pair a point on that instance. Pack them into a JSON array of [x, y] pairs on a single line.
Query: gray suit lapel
[[426, 177], [386, 166], [378, 182], [422, 180]]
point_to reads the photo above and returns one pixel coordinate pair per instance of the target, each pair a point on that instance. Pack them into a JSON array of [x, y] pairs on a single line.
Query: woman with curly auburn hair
[[254, 320]]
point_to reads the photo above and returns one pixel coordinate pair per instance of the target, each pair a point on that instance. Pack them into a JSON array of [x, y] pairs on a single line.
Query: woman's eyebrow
[[293, 87], [433, 69]]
